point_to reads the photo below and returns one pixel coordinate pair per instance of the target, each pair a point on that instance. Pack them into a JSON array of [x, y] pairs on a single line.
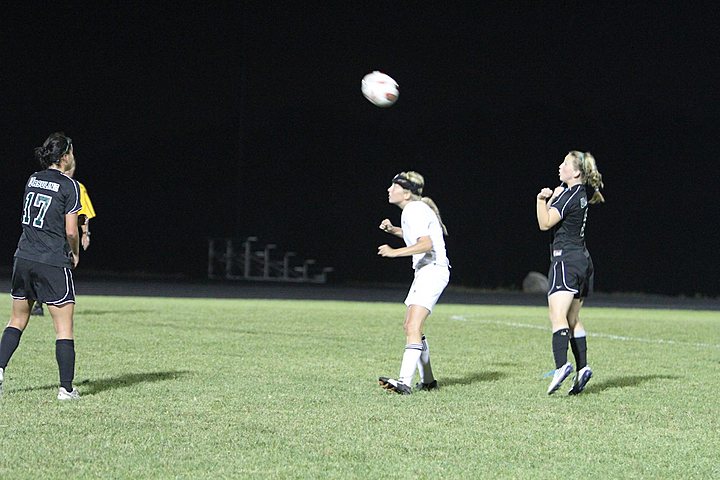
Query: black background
[[229, 119]]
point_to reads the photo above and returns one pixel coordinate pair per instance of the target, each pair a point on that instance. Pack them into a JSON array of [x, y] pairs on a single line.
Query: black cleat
[[394, 386], [37, 310], [426, 386]]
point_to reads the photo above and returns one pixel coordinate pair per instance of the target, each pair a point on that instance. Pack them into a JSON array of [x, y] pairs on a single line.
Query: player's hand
[[386, 251], [544, 194], [85, 241], [558, 191], [75, 259], [386, 226]]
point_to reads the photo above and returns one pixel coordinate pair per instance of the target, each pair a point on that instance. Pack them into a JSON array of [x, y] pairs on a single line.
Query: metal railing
[[245, 259]]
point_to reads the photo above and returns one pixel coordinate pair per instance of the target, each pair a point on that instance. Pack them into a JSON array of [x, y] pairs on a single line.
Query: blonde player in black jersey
[[423, 230], [564, 212], [48, 249]]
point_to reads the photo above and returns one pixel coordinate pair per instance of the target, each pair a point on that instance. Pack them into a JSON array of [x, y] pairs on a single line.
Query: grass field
[[181, 388]]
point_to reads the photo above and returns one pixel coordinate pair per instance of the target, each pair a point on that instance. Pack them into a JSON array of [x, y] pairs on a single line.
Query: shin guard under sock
[[65, 355], [560, 340], [8, 344]]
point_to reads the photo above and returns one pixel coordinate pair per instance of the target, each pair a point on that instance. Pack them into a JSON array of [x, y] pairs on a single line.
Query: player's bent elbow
[[425, 245]]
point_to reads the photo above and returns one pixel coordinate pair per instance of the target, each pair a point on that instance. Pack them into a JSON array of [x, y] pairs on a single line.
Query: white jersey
[[419, 220]]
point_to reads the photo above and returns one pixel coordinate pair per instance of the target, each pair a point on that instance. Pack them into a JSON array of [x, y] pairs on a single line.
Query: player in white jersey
[[423, 231]]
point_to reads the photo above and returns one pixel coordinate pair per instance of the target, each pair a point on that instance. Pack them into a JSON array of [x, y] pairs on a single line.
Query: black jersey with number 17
[[49, 196], [569, 232]]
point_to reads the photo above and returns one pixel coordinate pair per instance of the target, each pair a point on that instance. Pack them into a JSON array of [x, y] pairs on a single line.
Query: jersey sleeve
[[564, 204], [418, 219], [72, 197]]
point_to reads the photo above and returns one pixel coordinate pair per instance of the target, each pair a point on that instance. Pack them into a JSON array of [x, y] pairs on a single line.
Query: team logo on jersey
[[583, 202]]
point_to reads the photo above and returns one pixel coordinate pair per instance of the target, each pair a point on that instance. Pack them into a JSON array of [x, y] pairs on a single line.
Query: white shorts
[[428, 285]]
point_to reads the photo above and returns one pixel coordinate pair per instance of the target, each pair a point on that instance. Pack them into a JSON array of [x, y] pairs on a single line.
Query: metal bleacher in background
[[245, 259]]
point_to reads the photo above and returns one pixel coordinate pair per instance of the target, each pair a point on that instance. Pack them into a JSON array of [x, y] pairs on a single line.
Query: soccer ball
[[380, 89]]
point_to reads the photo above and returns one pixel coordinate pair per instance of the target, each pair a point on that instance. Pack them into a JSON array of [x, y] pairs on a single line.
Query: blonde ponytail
[[429, 202], [419, 180], [591, 175]]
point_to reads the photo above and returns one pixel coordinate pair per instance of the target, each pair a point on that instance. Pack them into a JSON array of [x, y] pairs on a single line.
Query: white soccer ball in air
[[380, 89]]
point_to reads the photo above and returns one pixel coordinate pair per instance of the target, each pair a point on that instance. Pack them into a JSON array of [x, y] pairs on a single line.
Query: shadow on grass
[[622, 382], [91, 387], [472, 378]]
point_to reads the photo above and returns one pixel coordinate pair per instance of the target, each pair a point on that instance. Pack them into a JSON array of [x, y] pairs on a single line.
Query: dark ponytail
[[52, 150]]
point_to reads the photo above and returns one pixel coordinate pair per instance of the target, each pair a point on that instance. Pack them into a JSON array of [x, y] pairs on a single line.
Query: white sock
[[424, 368], [409, 362]]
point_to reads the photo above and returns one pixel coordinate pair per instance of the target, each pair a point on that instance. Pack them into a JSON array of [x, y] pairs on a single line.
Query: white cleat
[[560, 375], [65, 395]]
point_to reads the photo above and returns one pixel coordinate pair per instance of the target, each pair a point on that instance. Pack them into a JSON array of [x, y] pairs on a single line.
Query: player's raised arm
[[547, 217], [387, 226]]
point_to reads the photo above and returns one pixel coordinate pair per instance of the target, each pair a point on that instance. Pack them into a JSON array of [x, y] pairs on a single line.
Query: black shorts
[[571, 272], [41, 282]]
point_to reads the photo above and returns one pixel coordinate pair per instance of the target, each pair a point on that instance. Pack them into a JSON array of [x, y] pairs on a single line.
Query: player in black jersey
[[85, 214], [48, 249], [564, 212]]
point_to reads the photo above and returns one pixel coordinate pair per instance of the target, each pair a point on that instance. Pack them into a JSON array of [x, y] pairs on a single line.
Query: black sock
[[579, 349], [8, 344], [560, 341], [65, 355]]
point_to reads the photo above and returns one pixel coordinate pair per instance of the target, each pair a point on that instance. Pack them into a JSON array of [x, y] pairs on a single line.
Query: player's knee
[[18, 322], [411, 327]]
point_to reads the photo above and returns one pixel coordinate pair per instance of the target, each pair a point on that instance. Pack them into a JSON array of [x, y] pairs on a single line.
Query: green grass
[[180, 388]]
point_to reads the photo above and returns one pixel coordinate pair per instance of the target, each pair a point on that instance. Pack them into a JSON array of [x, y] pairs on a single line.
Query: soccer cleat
[[581, 380], [65, 395], [560, 375], [426, 386], [394, 386], [37, 310]]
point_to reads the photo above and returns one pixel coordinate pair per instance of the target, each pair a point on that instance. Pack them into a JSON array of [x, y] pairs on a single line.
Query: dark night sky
[[224, 119]]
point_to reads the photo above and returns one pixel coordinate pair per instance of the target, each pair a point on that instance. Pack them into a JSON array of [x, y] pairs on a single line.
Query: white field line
[[657, 341]]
